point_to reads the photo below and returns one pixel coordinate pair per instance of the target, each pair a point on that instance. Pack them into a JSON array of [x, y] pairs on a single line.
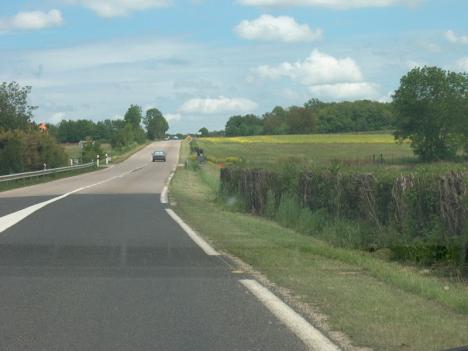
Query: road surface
[[106, 268]]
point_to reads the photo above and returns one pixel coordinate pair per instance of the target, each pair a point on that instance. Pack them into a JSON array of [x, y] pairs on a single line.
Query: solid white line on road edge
[[164, 195], [192, 234], [11, 219], [311, 336], [164, 199]]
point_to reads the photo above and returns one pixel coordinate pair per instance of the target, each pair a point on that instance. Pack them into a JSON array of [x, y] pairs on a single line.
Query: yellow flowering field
[[308, 139]]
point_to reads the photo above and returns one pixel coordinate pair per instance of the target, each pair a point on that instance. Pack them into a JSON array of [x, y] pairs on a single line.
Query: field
[[371, 300], [358, 138], [266, 151]]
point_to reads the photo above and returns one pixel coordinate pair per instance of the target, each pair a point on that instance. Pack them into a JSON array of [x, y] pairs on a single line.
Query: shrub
[[22, 151], [421, 216]]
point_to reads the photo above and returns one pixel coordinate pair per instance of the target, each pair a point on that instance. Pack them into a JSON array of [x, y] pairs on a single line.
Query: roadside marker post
[[97, 160]]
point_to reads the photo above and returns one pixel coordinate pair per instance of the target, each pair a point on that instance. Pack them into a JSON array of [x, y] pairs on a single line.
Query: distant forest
[[315, 117]]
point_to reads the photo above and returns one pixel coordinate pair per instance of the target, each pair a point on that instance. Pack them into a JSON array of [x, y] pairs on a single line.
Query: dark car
[[159, 155]]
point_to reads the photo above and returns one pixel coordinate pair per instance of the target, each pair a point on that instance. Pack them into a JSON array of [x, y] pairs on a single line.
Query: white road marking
[[11, 219], [192, 234], [164, 195], [311, 336], [164, 198]]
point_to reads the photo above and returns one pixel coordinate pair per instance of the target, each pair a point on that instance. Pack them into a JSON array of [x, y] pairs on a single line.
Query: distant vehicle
[[175, 137], [159, 155]]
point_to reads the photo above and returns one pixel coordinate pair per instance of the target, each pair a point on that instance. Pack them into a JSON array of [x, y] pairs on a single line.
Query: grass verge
[[376, 303]]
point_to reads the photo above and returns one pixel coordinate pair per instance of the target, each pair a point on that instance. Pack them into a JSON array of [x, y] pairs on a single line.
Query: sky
[[202, 61]]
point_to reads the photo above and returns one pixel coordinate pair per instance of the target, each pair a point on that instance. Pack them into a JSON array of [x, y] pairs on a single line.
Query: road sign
[[188, 139]]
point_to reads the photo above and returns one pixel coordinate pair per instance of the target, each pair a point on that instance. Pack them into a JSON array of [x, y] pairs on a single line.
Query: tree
[[431, 107], [275, 122], [28, 150], [133, 116], [244, 125], [301, 120], [15, 113], [204, 132], [155, 123]]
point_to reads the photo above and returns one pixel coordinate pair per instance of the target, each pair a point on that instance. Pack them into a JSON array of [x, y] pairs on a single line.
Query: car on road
[[159, 155]]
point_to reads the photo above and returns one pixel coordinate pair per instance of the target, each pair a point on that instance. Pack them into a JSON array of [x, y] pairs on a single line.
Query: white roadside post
[[97, 160], [107, 160], [71, 162]]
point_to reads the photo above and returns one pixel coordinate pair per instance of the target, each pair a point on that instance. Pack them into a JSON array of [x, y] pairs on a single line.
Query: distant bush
[[22, 151]]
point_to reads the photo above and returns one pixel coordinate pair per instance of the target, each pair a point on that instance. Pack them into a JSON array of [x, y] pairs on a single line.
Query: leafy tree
[[313, 104], [124, 136], [431, 107], [70, 131], [133, 116], [155, 123], [15, 113], [244, 125], [204, 132], [90, 150], [28, 151], [275, 122], [301, 120]]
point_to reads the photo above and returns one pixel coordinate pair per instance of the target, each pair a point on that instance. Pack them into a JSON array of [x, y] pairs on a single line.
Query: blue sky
[[201, 61]]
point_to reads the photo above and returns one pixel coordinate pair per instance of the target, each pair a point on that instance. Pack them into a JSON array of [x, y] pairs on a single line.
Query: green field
[[265, 151]]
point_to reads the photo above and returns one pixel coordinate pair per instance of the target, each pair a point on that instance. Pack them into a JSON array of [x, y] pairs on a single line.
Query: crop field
[[266, 151], [358, 138]]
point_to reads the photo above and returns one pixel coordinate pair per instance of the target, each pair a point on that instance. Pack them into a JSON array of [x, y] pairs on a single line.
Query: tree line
[[24, 147], [315, 117], [117, 132], [430, 109]]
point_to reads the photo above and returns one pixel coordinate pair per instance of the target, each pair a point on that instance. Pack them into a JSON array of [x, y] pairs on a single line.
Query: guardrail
[[25, 175]]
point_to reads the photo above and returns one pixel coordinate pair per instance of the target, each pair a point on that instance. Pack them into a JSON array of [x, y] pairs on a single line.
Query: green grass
[[269, 150], [376, 303]]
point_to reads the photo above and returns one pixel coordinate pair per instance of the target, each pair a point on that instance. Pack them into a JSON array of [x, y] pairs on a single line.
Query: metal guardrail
[[18, 176]]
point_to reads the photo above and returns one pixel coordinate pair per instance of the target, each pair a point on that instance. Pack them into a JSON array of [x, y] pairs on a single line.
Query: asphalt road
[[106, 268]]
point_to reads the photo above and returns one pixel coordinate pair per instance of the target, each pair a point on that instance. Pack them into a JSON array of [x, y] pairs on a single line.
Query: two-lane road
[[106, 268]]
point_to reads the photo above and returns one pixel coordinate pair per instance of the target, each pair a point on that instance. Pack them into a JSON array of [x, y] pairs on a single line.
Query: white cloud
[[56, 118], [110, 53], [325, 76], [415, 64], [318, 68], [172, 116], [334, 4], [452, 37], [218, 105], [462, 64], [340, 91], [282, 28], [113, 8], [32, 20]]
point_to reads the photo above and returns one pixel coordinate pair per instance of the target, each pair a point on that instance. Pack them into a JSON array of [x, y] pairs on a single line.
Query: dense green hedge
[[28, 150], [420, 209]]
